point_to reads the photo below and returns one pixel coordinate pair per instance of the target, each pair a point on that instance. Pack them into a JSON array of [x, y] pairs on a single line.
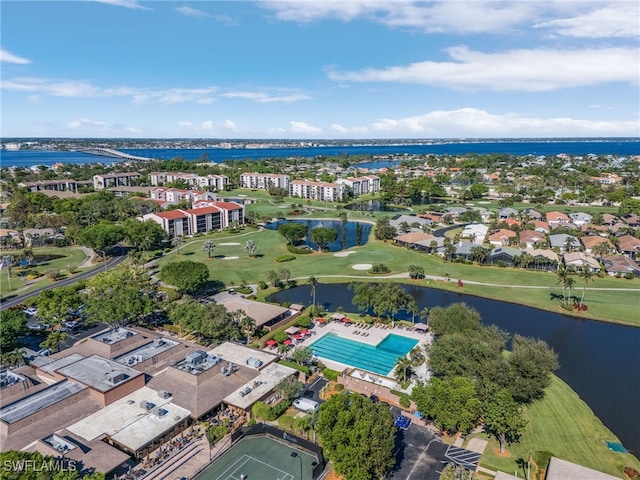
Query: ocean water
[[616, 147]]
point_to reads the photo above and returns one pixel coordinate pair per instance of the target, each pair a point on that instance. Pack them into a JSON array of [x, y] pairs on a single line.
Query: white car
[[31, 311]]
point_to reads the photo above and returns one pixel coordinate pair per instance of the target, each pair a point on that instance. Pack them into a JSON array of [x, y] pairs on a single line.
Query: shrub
[[379, 268], [330, 374], [294, 365], [339, 387], [285, 258], [405, 400], [631, 472], [215, 433], [263, 285], [53, 274], [299, 250], [303, 322]]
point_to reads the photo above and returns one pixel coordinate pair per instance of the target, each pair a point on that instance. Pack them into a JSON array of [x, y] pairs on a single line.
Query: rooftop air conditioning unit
[[164, 394], [145, 405]]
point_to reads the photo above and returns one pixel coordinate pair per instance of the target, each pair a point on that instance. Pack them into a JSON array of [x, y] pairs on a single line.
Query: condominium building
[[362, 185], [212, 216], [174, 196], [120, 179], [213, 182], [263, 181], [326, 192]]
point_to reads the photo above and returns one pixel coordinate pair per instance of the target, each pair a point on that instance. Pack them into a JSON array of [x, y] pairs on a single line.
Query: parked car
[[31, 311], [305, 404]]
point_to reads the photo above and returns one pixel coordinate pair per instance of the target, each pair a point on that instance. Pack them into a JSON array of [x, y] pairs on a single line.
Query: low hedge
[[294, 365], [405, 400], [285, 258], [299, 251], [330, 374]]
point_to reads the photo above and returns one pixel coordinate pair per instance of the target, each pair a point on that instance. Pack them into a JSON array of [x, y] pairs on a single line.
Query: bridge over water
[[109, 152]]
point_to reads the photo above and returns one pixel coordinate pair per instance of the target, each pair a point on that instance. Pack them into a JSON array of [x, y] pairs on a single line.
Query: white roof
[[128, 423], [563, 470], [260, 386]]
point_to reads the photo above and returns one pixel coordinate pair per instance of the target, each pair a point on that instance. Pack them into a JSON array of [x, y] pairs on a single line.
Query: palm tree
[[570, 282], [313, 281], [587, 276], [403, 370], [251, 248], [15, 358], [283, 350], [248, 326], [562, 281], [208, 246], [8, 261]]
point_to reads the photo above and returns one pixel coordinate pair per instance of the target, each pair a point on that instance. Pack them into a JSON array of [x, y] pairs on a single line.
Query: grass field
[[261, 458], [69, 256], [561, 423], [506, 284]]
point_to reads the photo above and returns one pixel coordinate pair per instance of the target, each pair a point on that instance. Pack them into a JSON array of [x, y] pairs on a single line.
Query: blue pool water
[[380, 359]]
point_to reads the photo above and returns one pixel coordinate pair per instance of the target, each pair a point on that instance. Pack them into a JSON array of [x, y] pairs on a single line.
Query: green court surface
[[261, 458]]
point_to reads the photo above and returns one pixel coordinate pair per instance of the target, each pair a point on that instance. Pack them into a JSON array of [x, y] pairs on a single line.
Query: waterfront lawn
[[506, 284], [561, 423], [69, 256]]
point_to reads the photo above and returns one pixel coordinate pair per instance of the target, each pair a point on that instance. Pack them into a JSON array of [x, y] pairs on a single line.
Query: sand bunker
[[228, 244], [230, 258], [362, 266], [343, 254]]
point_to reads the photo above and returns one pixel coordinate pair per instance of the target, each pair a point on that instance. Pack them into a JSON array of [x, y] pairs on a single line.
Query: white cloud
[[191, 12], [132, 4], [265, 98], [87, 126], [303, 128], [471, 122], [338, 128], [209, 127], [621, 19], [531, 70], [8, 57]]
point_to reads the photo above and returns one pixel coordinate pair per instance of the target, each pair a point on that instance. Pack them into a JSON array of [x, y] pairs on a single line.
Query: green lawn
[[505, 284], [70, 256], [561, 423]]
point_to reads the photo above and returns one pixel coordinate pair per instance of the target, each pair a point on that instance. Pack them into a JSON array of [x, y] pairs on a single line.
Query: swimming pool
[[380, 359]]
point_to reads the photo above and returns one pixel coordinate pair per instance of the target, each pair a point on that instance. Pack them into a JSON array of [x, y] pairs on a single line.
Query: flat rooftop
[[198, 362], [27, 406], [8, 378], [114, 336], [130, 424], [262, 313], [251, 392], [99, 373], [242, 355], [51, 366], [146, 351]]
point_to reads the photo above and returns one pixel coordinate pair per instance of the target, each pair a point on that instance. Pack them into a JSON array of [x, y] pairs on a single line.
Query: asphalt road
[[112, 262]]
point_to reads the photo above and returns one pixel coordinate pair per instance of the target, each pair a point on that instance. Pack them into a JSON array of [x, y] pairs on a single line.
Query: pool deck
[[372, 336]]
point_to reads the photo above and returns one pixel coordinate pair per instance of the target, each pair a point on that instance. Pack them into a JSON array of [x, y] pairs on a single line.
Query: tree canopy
[[142, 235], [503, 418], [456, 318], [186, 275], [13, 324], [292, 231], [385, 299], [357, 435], [101, 236], [323, 236], [531, 364]]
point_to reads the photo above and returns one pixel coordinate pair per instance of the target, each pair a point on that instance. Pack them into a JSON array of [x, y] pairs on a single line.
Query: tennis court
[[261, 458]]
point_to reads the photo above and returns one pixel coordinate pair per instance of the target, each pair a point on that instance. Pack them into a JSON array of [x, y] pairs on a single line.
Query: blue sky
[[320, 69]]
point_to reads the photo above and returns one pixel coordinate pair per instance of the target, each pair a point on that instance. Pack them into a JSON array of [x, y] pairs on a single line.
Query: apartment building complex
[[119, 179], [310, 190], [362, 185], [262, 181], [173, 196], [213, 182]]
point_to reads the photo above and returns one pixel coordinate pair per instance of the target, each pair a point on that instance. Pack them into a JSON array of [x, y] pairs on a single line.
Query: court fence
[[264, 429]]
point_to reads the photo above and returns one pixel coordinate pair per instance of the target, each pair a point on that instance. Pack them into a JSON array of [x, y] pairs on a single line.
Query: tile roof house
[[555, 219], [580, 218], [630, 246], [618, 264], [501, 237], [507, 255], [532, 238], [580, 259], [540, 226], [591, 241], [564, 242]]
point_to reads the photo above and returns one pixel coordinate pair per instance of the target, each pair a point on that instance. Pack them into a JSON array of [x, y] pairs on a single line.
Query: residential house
[[418, 241], [608, 219], [532, 239], [544, 260], [434, 217], [588, 242], [629, 246], [620, 265], [512, 222], [557, 219], [631, 219], [501, 237], [564, 242], [263, 181], [10, 239], [533, 214], [475, 232], [507, 212], [118, 179], [410, 222], [464, 250], [455, 212], [323, 191], [506, 255], [607, 179], [540, 226], [577, 261], [579, 218]]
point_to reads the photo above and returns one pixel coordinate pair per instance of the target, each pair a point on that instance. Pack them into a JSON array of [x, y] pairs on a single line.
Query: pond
[[350, 234], [600, 361]]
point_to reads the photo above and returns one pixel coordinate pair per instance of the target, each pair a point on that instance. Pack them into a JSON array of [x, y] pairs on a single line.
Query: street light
[[295, 455]]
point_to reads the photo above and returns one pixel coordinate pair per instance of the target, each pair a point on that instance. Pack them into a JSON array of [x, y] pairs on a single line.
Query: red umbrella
[[320, 320], [271, 343], [287, 342], [297, 336], [304, 332], [346, 320]]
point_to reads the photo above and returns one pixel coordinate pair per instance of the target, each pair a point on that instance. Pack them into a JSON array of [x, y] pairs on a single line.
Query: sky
[[330, 69]]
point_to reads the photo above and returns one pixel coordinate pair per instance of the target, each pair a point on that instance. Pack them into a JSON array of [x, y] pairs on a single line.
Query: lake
[[599, 360], [347, 232]]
